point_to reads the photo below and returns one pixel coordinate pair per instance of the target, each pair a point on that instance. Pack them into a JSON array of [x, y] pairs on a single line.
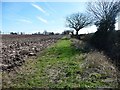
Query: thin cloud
[[43, 20], [39, 8], [53, 10], [24, 20]]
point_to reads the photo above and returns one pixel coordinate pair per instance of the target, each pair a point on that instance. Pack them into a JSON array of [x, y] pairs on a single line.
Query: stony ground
[[17, 48]]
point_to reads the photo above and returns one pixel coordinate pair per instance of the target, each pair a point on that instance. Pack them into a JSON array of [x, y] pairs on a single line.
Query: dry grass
[[96, 66]]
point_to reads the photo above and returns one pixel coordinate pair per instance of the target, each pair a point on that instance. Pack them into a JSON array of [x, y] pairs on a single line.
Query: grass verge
[[59, 66]]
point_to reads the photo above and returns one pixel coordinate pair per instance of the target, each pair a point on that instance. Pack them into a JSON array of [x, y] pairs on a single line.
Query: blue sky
[[31, 17]]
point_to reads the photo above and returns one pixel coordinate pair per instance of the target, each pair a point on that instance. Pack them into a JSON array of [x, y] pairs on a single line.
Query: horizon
[[32, 17]]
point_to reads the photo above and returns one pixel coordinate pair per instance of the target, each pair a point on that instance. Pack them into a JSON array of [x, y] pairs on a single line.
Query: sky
[[32, 17]]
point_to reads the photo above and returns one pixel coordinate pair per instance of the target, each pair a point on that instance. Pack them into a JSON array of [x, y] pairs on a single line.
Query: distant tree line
[[37, 33], [13, 33], [65, 32]]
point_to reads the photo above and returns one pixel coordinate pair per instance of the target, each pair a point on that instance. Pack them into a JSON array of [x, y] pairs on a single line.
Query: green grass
[[58, 66]]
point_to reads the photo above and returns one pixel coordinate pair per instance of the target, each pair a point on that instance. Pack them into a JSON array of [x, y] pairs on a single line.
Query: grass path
[[58, 66]]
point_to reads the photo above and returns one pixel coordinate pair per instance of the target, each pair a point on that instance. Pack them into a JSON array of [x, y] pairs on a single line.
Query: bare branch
[[78, 21], [104, 12]]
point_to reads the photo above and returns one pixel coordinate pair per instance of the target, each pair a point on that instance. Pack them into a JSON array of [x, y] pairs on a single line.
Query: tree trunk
[[76, 32]]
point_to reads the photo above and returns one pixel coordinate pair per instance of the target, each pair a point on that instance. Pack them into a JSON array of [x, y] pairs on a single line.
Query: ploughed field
[[17, 48]]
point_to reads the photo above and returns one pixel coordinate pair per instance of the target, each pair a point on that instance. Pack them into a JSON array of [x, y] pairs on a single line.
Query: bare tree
[[78, 21], [104, 13]]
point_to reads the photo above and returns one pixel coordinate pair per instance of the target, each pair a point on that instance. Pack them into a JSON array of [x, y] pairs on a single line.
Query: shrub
[[109, 42]]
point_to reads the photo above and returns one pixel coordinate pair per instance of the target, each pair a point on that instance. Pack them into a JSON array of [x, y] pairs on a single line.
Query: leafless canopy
[[104, 9], [78, 21]]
